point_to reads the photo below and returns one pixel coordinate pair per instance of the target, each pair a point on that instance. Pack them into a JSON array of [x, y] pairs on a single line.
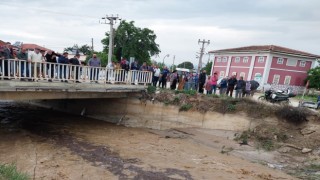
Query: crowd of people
[[44, 63], [204, 83], [31, 63], [227, 85]]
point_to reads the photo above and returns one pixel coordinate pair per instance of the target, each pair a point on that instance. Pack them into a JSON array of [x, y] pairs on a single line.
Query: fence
[[35, 71]]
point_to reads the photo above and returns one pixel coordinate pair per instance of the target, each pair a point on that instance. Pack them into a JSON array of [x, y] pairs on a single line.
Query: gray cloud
[[178, 23]]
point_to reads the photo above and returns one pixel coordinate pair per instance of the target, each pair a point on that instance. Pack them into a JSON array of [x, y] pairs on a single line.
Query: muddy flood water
[[52, 145]]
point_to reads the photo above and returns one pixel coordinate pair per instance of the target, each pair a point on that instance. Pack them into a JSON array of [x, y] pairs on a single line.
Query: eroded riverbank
[[53, 145]]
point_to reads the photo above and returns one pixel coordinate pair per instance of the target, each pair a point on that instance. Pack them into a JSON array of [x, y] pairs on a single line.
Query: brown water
[[54, 145]]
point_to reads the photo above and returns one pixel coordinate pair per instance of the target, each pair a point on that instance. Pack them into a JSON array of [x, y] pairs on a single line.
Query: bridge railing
[[35, 71]]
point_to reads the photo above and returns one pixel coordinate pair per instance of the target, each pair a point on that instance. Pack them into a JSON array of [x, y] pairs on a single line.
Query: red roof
[[33, 46], [2, 43], [268, 48]]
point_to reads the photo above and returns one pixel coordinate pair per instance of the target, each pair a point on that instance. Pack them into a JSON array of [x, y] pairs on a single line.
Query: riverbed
[[48, 144]]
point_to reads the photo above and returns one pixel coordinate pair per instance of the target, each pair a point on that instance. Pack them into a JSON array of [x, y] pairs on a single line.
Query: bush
[[295, 115], [10, 172], [189, 92], [243, 137], [185, 107], [226, 105], [151, 89]]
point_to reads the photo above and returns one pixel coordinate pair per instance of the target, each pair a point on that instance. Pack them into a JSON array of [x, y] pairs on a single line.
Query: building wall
[[255, 71], [284, 65], [219, 61], [297, 78], [219, 69], [258, 63], [241, 62], [238, 71]]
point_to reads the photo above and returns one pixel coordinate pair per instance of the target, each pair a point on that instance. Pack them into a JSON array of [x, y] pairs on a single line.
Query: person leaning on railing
[[51, 58], [64, 61], [5, 56], [35, 58], [95, 64], [23, 57], [75, 61]]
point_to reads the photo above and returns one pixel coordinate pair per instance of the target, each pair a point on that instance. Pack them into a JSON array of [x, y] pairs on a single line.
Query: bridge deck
[[24, 90]]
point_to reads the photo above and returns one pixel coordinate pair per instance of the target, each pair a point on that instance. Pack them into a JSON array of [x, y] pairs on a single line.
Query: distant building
[[268, 64], [31, 47]]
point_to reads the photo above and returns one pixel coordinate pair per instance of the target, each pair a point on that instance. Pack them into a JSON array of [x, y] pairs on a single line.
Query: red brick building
[[267, 64]]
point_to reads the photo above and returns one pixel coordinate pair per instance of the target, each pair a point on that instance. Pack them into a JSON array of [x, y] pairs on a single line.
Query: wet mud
[[34, 120], [53, 145]]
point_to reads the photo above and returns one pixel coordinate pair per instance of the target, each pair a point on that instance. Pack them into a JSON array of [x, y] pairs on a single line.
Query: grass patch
[[189, 92], [151, 89], [243, 138], [9, 171], [308, 97], [185, 107], [225, 105]]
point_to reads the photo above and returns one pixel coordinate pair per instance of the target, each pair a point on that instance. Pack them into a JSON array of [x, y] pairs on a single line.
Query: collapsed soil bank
[[133, 112]]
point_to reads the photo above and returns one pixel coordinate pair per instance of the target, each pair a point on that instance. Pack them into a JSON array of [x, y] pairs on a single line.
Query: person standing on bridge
[[95, 64], [23, 56], [35, 58], [64, 61], [76, 68]]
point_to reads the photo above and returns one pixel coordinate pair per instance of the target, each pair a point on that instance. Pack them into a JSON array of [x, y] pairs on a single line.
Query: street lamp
[[164, 58]]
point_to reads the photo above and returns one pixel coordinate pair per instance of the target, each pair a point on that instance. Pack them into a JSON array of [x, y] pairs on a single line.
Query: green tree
[[132, 41], [208, 68], [103, 58], [314, 78], [85, 49], [186, 64]]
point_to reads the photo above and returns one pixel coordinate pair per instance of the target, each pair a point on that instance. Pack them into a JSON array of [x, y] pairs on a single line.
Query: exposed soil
[[52, 145]]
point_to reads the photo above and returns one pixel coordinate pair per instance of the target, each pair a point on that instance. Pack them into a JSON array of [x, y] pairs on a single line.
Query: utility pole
[[201, 52], [174, 56], [92, 45], [112, 20]]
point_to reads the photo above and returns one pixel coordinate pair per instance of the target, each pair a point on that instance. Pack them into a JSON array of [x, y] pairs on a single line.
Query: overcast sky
[[178, 24]]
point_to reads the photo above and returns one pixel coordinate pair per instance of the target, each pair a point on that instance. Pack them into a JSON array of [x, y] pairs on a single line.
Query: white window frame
[[218, 59], [243, 74], [222, 74], [224, 59], [237, 59], [245, 60], [302, 63], [261, 59], [276, 79], [234, 73], [287, 80], [280, 61], [291, 60]]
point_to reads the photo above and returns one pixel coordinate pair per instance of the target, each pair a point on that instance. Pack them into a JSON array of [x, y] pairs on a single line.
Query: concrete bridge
[[20, 80]]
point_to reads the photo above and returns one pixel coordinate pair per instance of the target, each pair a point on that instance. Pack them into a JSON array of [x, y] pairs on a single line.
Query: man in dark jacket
[[240, 87], [51, 58], [23, 56], [75, 69], [231, 83], [202, 81], [63, 60]]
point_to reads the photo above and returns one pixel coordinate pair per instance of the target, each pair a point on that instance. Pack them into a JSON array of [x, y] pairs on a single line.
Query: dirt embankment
[[291, 134]]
